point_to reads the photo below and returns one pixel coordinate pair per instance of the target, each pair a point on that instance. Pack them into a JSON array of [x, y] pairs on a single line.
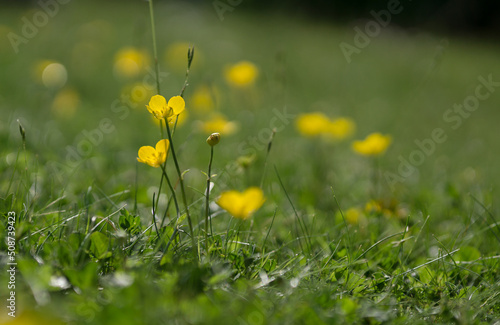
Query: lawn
[[370, 179]]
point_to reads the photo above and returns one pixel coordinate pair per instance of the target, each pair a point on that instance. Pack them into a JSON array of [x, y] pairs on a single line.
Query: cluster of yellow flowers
[[239, 205], [318, 124], [373, 145], [389, 210], [160, 109]]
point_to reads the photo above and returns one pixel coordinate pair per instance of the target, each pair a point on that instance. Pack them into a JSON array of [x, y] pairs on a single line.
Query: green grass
[[87, 250]]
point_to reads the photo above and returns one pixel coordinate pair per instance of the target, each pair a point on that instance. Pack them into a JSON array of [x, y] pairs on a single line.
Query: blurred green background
[[401, 83]]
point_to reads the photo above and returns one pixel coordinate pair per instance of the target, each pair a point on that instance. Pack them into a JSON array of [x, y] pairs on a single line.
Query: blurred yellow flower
[[137, 93], [129, 62], [159, 107], [373, 145], [242, 205], [220, 124], [352, 215], [203, 99], [341, 128], [372, 206], [241, 74], [154, 157], [318, 124], [312, 124], [66, 103]]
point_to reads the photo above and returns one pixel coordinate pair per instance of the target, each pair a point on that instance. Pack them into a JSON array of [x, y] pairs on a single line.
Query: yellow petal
[[253, 199], [231, 202], [176, 104], [147, 155], [157, 106], [162, 150], [242, 205]]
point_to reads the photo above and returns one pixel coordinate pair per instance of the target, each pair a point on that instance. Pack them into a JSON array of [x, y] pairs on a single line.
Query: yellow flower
[[159, 107], [352, 215], [203, 99], [312, 124], [66, 103], [130, 62], [341, 128], [241, 74], [219, 124], [137, 93], [181, 119], [373, 145], [154, 157], [372, 206], [242, 205]]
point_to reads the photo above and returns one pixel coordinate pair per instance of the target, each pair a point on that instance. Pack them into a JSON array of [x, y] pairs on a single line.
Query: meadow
[[342, 190]]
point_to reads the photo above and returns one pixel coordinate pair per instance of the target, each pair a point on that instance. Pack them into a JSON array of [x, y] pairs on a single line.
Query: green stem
[[207, 194], [183, 192], [171, 190], [190, 60], [155, 51]]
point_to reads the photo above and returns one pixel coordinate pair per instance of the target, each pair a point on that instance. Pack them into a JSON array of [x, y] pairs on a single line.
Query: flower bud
[[213, 139]]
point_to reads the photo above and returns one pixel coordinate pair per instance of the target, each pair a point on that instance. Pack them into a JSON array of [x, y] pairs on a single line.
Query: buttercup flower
[[203, 99], [312, 124], [130, 62], [242, 205], [66, 103], [159, 107], [373, 145], [341, 128], [218, 123], [241, 74], [154, 157], [352, 215], [137, 93]]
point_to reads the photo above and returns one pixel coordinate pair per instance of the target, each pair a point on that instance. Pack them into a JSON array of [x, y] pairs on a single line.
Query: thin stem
[[190, 60], [269, 145], [155, 51], [183, 192], [207, 195], [162, 175], [171, 190]]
